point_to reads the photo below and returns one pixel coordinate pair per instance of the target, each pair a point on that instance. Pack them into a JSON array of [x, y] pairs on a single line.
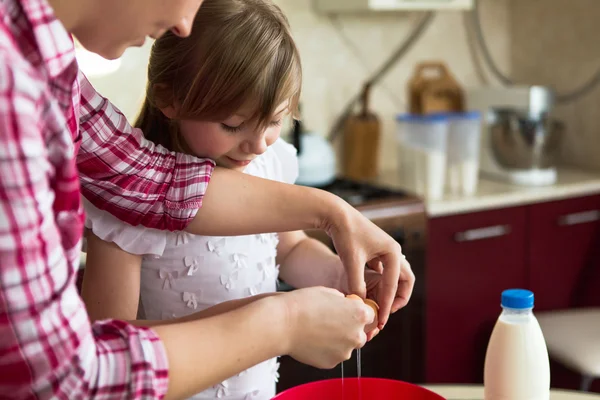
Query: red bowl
[[358, 389]]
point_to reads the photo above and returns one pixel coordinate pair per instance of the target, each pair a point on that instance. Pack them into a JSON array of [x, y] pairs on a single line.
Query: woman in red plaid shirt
[[55, 132]]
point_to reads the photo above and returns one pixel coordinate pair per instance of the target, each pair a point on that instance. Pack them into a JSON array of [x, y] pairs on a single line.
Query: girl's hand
[[376, 285], [375, 289], [371, 329], [324, 327]]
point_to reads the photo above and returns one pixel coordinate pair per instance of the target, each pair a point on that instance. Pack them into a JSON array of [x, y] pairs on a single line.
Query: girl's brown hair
[[240, 52]]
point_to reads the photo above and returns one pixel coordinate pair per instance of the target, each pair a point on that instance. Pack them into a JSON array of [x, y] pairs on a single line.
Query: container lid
[[468, 115], [423, 119], [517, 299]]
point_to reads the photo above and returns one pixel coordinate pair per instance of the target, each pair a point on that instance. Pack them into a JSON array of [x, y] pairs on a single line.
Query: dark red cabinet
[[551, 248], [471, 259], [562, 242]]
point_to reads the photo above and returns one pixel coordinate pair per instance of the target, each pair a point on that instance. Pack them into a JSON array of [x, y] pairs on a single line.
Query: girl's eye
[[275, 123], [232, 129]]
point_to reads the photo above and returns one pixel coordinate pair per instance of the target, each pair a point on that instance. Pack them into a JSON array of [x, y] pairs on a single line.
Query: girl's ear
[[161, 91], [169, 112]]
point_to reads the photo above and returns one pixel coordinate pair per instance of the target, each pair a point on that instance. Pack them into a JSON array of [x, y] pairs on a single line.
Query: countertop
[[495, 194], [475, 392]]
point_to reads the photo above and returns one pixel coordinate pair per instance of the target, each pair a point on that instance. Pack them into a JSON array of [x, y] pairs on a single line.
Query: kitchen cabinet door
[[471, 259], [564, 236], [587, 291]]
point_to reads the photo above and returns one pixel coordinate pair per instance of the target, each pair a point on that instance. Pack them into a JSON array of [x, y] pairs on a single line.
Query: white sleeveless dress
[[184, 273]]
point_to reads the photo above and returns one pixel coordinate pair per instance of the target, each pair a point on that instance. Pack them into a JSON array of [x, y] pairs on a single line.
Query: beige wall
[[125, 88], [333, 73], [557, 42]]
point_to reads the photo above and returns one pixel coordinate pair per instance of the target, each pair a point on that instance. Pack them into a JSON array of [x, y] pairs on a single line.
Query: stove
[[399, 213], [398, 351], [361, 193]]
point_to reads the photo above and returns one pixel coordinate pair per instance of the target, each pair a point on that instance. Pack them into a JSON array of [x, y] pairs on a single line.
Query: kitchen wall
[[334, 68], [556, 42], [334, 71], [125, 87]]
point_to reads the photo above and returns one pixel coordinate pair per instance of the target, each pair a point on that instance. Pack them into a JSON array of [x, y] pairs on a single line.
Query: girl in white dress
[[221, 94]]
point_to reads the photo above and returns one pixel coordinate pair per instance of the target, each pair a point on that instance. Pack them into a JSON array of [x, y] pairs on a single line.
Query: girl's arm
[[306, 262], [111, 286], [111, 282], [317, 326]]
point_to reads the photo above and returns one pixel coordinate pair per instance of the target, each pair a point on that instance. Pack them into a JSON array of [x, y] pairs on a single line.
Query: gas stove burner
[[358, 193]]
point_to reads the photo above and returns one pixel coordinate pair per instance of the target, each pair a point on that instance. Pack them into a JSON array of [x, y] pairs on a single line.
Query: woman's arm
[[144, 184], [243, 204]]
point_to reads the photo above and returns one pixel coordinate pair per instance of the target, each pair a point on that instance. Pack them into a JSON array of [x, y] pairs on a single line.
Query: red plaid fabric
[[136, 181], [48, 349]]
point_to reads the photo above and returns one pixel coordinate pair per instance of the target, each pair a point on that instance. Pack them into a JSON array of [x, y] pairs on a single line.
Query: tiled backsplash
[[556, 42], [550, 42], [333, 72]]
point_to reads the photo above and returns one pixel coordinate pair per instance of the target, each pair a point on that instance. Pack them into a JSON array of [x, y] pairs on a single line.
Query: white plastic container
[[516, 363], [464, 135], [422, 153]]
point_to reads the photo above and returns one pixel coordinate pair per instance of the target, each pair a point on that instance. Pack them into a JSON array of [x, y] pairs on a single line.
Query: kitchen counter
[[495, 194], [474, 392]]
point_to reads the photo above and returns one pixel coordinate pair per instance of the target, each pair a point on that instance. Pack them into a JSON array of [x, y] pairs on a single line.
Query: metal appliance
[[398, 352], [316, 157], [518, 137]]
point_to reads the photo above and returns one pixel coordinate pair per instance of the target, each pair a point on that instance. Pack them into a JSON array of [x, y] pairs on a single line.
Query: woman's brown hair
[[240, 53]]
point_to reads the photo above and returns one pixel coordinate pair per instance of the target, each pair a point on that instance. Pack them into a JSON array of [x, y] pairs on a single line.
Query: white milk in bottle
[[516, 362]]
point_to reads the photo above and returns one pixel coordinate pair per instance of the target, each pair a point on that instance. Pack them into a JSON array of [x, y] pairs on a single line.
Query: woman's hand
[[359, 242]]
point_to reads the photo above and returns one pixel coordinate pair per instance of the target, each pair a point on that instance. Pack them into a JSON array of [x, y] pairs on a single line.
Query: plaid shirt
[[132, 178], [48, 349]]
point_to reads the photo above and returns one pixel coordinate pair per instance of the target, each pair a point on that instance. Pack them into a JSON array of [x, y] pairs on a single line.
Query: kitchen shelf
[[364, 6]]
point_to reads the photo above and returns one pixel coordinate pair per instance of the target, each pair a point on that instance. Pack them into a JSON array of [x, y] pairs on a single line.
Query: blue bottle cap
[[519, 299]]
